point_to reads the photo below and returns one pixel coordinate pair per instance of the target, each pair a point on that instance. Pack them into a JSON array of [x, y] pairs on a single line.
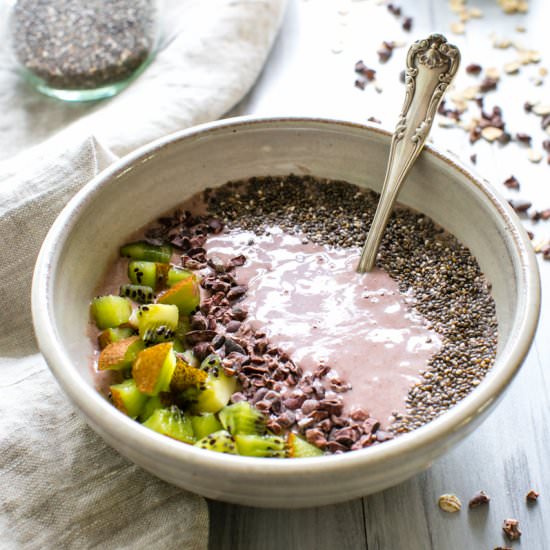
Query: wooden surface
[[310, 72]]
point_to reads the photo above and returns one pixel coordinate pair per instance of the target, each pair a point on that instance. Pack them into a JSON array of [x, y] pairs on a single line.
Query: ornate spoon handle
[[431, 65]]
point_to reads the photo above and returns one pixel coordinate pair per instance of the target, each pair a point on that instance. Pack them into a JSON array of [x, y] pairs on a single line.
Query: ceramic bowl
[[85, 239]]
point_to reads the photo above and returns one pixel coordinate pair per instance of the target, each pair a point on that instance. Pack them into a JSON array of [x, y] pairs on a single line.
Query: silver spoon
[[431, 65]]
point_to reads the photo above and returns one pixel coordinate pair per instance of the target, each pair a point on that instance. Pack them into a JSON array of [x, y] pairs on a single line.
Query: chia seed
[[77, 45]]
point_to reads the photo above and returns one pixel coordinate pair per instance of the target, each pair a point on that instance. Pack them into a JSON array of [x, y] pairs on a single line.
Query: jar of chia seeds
[[82, 50]]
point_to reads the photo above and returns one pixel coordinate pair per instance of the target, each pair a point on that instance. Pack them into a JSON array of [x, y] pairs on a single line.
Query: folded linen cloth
[[61, 486]]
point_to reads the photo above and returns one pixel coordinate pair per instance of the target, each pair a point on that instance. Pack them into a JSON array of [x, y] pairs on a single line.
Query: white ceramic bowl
[[85, 238]]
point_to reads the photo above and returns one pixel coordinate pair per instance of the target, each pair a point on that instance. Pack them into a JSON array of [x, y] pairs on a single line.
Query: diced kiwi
[[171, 422], [143, 273], [184, 326], [139, 293], [110, 311], [185, 376], [242, 418], [141, 250], [127, 398], [151, 405], [221, 442], [189, 357], [177, 274], [205, 424], [157, 322], [300, 448], [112, 335], [153, 368], [120, 355], [215, 391], [185, 294], [261, 445]]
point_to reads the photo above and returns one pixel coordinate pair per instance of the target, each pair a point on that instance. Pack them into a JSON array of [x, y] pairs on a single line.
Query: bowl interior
[[166, 177]]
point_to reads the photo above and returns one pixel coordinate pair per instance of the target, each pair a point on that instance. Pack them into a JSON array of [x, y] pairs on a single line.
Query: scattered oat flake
[[449, 503], [458, 27], [493, 73], [479, 499], [476, 13], [540, 245], [520, 28], [502, 43], [511, 529], [490, 133], [532, 496], [512, 67], [534, 156], [543, 71], [541, 109]]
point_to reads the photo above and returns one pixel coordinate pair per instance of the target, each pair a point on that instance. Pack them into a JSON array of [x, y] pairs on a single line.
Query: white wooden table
[[311, 72]]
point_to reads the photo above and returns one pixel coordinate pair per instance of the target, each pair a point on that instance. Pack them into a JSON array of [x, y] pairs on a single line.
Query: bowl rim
[[104, 416]]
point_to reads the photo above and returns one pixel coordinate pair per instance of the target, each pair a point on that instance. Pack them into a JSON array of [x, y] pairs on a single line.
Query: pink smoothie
[[312, 304]]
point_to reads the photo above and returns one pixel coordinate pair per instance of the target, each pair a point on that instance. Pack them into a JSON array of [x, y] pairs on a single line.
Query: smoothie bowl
[[203, 288]]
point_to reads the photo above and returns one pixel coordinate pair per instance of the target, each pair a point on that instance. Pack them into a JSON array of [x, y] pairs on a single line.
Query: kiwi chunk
[[139, 293], [215, 392], [177, 274], [151, 405], [185, 376], [143, 273], [220, 441], [205, 424], [300, 448], [171, 422], [141, 250], [127, 398], [261, 445], [154, 367], [157, 322], [112, 335], [110, 311], [120, 355], [242, 418], [185, 294]]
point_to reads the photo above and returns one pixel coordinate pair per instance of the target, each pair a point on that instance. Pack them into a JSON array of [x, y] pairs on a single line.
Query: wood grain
[[510, 453]]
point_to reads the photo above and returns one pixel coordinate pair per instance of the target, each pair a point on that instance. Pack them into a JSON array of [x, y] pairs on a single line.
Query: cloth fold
[[62, 487]]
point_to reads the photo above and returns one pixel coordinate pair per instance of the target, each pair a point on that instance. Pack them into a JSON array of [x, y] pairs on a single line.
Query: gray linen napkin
[[60, 485]]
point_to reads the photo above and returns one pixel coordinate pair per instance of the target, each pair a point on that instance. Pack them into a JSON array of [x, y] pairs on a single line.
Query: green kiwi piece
[[261, 445], [177, 274], [205, 424], [141, 250], [112, 335], [215, 391], [220, 441], [139, 293], [143, 273], [127, 398], [171, 422], [185, 294], [120, 355], [151, 405], [110, 311], [300, 448], [184, 326], [157, 322], [242, 418], [154, 367], [189, 357]]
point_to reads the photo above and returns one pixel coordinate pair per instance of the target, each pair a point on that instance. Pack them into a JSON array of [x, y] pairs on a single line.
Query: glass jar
[[82, 50]]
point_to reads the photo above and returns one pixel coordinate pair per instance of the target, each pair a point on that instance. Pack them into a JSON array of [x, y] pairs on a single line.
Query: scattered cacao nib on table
[[511, 529], [480, 499], [532, 496]]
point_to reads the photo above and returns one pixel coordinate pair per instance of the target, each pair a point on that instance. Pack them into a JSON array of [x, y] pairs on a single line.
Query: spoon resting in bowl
[[431, 66]]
